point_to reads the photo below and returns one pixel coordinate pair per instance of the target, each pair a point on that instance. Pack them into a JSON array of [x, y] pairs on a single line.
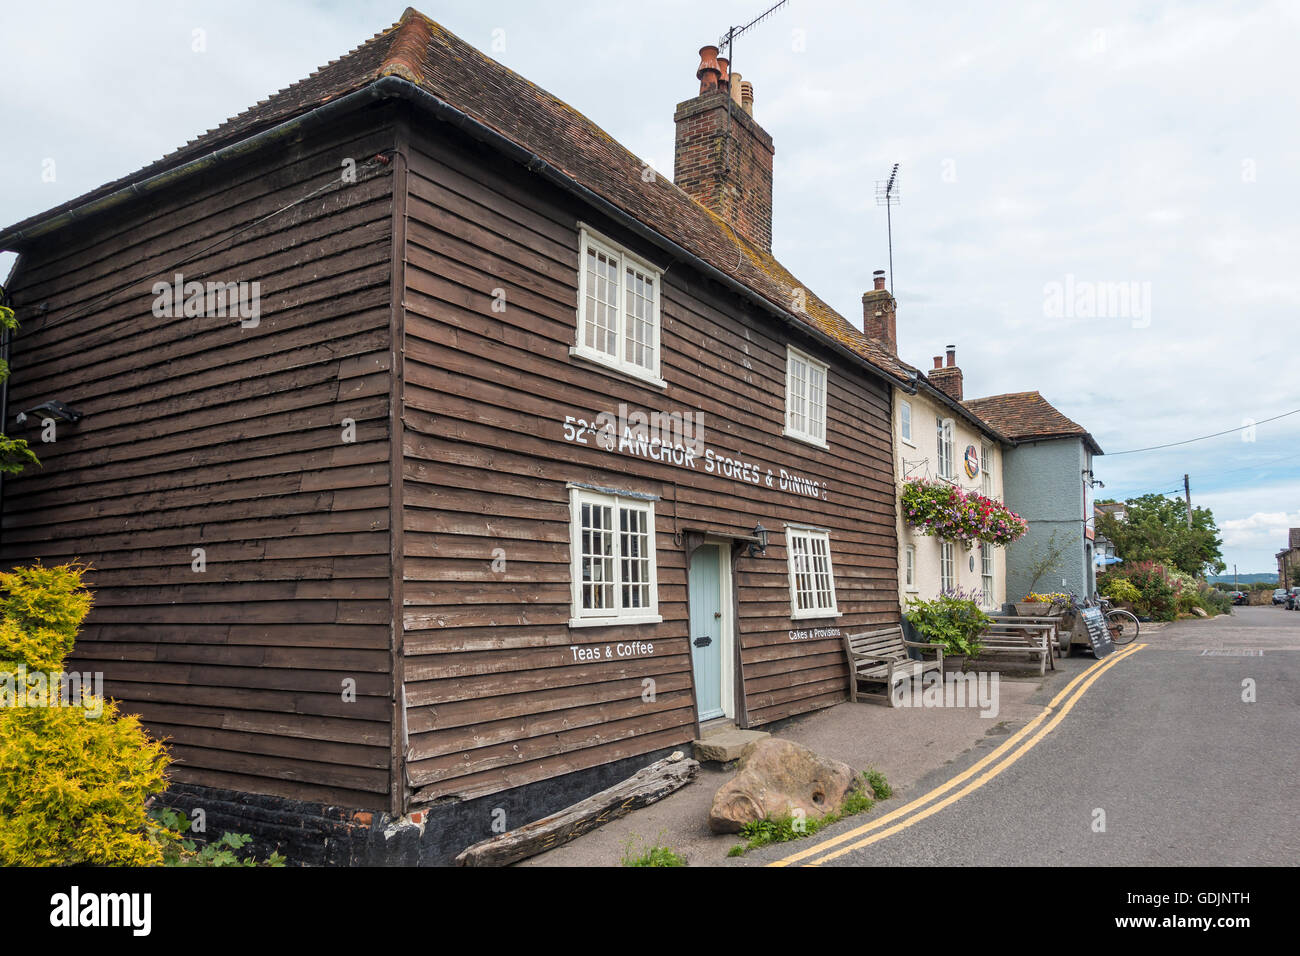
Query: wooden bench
[[1014, 638], [881, 657]]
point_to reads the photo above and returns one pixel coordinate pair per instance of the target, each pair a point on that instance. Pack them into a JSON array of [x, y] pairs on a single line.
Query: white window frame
[[947, 567], [944, 444], [590, 239], [793, 356], [909, 567], [809, 535], [618, 614], [988, 572], [905, 422], [986, 468]]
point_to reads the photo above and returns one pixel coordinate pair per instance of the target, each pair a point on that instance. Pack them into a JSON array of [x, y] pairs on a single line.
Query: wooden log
[[643, 788]]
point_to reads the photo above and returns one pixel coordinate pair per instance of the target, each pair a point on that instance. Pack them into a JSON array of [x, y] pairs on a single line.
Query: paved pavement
[[1161, 742], [905, 744], [1184, 770]]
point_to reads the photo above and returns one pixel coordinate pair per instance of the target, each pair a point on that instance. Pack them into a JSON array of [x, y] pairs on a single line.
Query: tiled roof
[[420, 51], [1025, 416]]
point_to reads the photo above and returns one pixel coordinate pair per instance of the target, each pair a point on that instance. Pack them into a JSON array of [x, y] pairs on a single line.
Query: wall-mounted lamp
[[52, 409], [761, 544]]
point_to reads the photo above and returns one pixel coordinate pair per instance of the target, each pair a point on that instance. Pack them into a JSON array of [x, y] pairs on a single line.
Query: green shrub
[[166, 830], [40, 611], [1216, 602], [74, 775], [869, 787], [1156, 595], [656, 855], [952, 620], [1121, 589], [879, 785]]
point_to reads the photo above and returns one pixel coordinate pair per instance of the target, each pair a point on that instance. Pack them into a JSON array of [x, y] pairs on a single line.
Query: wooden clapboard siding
[[201, 434], [494, 698]]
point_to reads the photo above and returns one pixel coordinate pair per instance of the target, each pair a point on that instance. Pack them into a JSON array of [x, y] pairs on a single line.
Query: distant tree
[[1155, 529]]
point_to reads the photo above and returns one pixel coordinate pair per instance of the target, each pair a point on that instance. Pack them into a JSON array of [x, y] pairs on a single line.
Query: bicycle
[[1123, 625]]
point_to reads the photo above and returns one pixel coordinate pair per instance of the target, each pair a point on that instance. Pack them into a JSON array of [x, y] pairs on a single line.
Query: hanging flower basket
[[945, 511]]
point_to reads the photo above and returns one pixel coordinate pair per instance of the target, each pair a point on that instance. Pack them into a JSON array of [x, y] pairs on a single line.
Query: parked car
[[1279, 596], [1240, 597], [1293, 599]]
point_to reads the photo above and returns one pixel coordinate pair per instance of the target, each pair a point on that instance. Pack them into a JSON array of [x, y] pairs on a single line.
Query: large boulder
[[777, 778]]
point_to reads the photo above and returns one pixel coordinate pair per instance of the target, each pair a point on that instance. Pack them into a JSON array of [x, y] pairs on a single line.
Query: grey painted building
[[1047, 479]]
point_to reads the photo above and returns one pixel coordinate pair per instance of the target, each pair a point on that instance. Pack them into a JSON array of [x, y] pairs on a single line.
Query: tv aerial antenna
[[727, 40], [887, 196]]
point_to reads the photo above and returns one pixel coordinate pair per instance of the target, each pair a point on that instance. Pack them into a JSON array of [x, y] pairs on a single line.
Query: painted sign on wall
[[972, 461], [684, 447]]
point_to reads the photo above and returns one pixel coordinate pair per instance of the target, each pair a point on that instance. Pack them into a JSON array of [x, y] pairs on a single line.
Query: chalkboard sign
[[1098, 632]]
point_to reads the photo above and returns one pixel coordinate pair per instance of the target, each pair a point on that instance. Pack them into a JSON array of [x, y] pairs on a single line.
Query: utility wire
[[1133, 451]]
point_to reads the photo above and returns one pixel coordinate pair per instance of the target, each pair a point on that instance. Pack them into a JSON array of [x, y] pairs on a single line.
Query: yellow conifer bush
[[74, 774]]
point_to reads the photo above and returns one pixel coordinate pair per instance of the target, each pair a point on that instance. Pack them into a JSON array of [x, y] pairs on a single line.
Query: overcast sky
[[1044, 150]]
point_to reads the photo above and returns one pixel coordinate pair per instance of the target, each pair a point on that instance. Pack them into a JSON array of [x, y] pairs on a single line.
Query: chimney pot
[[735, 86], [708, 71], [724, 78], [949, 379], [878, 280], [938, 361], [747, 97]]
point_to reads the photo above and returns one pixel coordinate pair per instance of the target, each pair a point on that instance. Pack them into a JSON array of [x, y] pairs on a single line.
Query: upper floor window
[[986, 469], [613, 547], [943, 434], [812, 579], [986, 573], [805, 398], [618, 309], [905, 421]]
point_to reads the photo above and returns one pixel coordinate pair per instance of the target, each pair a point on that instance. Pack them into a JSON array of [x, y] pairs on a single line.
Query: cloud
[[1106, 140]]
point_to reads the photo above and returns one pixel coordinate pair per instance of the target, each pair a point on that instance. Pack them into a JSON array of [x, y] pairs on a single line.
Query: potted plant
[[1035, 604], [953, 619], [944, 510]]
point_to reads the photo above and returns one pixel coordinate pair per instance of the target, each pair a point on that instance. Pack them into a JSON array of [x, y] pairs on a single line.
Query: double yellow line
[[1011, 750]]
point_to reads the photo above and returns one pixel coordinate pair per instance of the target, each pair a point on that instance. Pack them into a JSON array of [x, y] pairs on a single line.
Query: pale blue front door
[[705, 582]]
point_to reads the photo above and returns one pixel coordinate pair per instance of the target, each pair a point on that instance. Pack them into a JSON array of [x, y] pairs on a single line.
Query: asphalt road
[[1162, 743]]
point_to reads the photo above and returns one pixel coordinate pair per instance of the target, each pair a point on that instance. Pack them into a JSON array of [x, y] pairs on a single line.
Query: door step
[[723, 743]]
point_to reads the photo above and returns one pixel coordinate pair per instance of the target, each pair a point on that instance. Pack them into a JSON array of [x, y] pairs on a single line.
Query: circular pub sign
[[972, 461]]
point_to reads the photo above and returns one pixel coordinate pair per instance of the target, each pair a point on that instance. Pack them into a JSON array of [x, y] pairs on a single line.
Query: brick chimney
[[878, 314], [722, 158], [947, 378]]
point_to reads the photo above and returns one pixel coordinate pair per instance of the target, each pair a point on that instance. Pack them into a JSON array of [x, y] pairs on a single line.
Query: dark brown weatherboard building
[[452, 507]]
